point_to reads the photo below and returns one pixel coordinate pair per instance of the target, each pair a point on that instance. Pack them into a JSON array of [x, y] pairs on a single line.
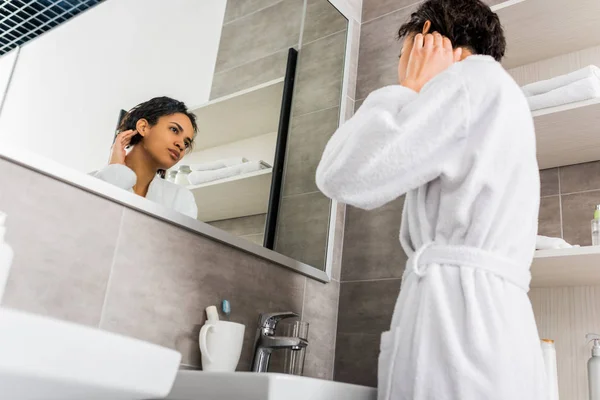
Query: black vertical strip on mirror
[[122, 115], [280, 150]]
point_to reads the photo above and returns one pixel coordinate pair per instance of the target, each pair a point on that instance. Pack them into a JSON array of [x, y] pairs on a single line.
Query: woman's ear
[[141, 126], [426, 27]]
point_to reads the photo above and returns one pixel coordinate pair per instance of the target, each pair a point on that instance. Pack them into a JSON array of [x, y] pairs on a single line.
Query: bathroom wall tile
[[239, 8], [243, 226], [64, 241], [357, 105], [549, 182], [580, 177], [375, 250], [322, 19], [260, 34], [338, 246], [379, 52], [308, 137], [577, 212], [492, 3], [549, 217], [256, 239], [163, 278], [376, 8], [251, 74], [367, 306], [319, 75], [303, 228], [320, 311], [356, 357]]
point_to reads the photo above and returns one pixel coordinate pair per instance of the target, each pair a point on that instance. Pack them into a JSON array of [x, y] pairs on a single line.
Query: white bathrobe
[[163, 192], [463, 152]]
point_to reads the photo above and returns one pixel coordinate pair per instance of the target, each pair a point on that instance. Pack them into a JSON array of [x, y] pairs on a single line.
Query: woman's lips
[[174, 154]]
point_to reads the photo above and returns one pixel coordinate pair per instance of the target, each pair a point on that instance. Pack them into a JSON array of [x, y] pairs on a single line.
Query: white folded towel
[[212, 165], [200, 177], [547, 243], [546, 86], [584, 89]]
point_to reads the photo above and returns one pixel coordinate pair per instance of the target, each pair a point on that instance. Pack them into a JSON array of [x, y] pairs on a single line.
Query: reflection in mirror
[[192, 117]]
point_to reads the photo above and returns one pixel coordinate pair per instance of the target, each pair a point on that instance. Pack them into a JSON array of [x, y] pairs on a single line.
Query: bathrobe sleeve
[[117, 174], [397, 141]]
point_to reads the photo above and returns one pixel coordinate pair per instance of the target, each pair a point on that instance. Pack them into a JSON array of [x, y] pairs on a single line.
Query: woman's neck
[[144, 167]]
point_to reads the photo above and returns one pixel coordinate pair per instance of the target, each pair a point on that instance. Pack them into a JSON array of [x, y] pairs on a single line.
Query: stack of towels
[[581, 85], [221, 169], [548, 243]]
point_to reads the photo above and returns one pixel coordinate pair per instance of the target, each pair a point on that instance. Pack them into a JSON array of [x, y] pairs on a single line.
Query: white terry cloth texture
[[463, 152], [584, 89], [548, 243], [212, 165], [200, 177], [541, 87], [160, 191]]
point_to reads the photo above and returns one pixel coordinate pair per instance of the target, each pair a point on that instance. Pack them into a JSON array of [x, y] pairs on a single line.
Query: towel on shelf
[[546, 86], [200, 177], [212, 165], [547, 243], [584, 89]]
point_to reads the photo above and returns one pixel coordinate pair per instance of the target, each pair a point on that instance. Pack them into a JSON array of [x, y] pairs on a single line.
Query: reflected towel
[[547, 243], [546, 86], [200, 177], [212, 165], [585, 89]]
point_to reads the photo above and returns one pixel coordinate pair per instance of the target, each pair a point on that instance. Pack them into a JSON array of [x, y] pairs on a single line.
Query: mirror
[[117, 91]]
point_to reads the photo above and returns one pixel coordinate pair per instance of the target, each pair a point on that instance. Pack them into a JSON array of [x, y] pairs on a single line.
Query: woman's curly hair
[[467, 23]]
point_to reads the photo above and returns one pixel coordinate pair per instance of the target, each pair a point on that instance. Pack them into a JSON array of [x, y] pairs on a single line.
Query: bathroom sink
[[198, 385], [44, 358]]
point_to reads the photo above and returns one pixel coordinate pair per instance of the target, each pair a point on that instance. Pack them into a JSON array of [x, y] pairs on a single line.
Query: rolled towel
[[536, 88], [200, 177], [547, 243], [212, 165], [584, 89]]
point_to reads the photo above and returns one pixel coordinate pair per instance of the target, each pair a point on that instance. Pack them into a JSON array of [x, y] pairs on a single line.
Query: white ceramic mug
[[221, 345]]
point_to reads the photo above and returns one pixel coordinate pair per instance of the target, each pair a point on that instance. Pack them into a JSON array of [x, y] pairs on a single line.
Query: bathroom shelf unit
[[242, 115], [577, 266], [568, 134], [540, 29], [234, 197]]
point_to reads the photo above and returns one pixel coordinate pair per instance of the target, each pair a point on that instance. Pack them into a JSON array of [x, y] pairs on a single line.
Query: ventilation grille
[[23, 20]]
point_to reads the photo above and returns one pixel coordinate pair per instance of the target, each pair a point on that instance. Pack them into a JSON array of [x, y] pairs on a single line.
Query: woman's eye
[[187, 145], [174, 129]]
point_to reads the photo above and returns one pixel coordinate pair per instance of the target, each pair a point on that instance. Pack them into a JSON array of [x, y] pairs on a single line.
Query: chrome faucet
[[266, 341]]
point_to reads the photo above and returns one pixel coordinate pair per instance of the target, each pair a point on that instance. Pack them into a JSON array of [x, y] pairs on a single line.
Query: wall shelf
[[234, 197], [242, 115], [568, 134], [541, 29], [577, 266]]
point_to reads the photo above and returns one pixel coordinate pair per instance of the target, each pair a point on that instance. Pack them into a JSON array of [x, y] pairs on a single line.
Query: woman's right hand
[[118, 153]]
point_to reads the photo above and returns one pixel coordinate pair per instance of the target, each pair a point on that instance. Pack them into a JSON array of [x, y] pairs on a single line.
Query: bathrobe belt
[[469, 257]]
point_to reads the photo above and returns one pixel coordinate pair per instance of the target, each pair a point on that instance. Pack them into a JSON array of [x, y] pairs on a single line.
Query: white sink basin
[[198, 385], [43, 358]]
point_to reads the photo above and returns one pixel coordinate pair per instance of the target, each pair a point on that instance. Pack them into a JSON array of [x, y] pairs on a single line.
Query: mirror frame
[[52, 169]]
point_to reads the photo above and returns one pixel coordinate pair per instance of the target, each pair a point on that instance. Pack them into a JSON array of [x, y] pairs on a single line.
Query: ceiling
[[23, 20]]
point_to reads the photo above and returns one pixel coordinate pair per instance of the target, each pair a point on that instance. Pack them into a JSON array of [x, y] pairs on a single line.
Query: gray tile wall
[[85, 259], [569, 197], [254, 43], [251, 228], [303, 225]]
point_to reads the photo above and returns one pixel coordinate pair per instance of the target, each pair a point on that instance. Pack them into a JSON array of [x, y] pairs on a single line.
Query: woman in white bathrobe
[[161, 131], [457, 137]]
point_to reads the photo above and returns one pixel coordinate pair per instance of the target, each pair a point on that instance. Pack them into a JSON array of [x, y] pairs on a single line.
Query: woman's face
[[166, 141]]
